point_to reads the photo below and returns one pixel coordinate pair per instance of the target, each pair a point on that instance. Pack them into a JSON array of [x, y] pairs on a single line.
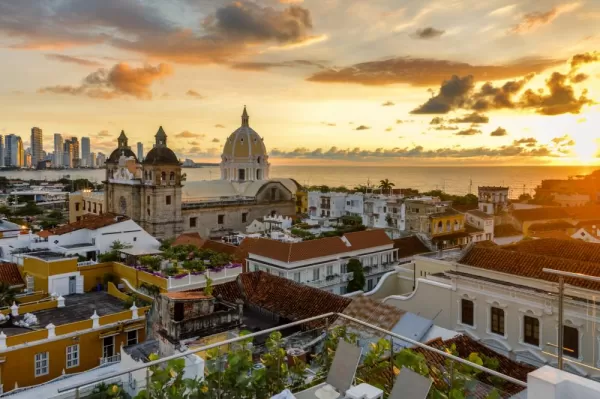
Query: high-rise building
[[67, 154], [37, 145], [100, 160], [85, 151], [1, 151], [13, 151], [58, 160], [92, 161], [76, 154], [140, 152]]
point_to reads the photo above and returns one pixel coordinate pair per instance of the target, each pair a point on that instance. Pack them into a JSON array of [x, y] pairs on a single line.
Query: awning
[[134, 327], [110, 333]]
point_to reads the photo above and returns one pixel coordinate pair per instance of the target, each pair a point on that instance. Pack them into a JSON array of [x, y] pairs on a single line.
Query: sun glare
[[586, 149]]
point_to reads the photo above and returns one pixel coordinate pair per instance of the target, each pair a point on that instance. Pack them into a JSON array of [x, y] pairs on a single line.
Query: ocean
[[453, 180]]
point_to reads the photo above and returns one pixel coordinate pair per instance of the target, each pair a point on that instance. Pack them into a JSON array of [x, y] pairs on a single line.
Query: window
[[531, 330], [497, 321], [168, 199], [172, 176], [316, 274], [344, 268], [178, 311], [41, 364], [220, 219], [193, 221], [148, 200], [343, 290], [77, 206], [100, 207], [94, 207], [570, 341], [467, 312], [244, 217], [297, 277], [132, 337], [369, 284], [108, 347], [273, 193], [329, 270], [72, 356]]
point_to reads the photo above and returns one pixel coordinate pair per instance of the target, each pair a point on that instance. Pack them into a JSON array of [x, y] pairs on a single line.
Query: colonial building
[[152, 193]]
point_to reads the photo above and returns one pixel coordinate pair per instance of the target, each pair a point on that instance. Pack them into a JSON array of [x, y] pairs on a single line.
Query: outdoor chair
[[340, 376], [411, 385]]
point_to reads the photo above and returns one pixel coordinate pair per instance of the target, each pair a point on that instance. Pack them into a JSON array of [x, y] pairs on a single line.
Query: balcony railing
[[223, 358], [110, 359]]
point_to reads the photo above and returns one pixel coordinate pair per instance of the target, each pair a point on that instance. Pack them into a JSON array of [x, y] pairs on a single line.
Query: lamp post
[[561, 292]]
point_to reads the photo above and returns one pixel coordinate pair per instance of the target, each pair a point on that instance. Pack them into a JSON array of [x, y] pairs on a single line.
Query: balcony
[[331, 280], [241, 368], [110, 359]]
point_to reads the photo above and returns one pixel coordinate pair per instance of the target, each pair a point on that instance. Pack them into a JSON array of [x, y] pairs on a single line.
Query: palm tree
[[361, 188], [386, 184], [7, 295]]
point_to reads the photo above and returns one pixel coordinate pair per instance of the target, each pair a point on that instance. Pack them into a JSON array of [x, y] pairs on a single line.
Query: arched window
[[145, 175], [440, 227], [163, 176], [258, 174], [258, 160], [456, 225], [448, 226], [172, 176]]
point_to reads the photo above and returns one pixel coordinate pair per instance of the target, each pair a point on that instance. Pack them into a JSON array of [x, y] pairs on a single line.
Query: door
[[72, 285], [79, 285], [108, 347]]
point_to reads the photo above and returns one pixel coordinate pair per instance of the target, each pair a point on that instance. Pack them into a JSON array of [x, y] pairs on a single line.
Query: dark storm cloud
[[427, 33], [120, 81], [471, 118], [233, 30], [557, 97], [499, 132], [426, 71]]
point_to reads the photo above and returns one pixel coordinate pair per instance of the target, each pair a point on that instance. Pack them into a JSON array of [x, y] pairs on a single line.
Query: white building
[[501, 297], [479, 225], [492, 199], [322, 263], [269, 223]]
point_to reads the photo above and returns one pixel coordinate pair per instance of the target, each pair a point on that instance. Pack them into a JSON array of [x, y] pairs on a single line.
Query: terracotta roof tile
[[91, 222], [506, 230], [480, 214], [410, 246], [186, 295], [547, 213], [188, 239], [9, 273], [524, 263], [571, 249], [465, 346], [373, 312], [559, 225], [284, 297], [560, 235], [293, 252]]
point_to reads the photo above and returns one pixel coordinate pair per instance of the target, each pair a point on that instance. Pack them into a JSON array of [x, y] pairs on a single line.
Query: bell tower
[[161, 190]]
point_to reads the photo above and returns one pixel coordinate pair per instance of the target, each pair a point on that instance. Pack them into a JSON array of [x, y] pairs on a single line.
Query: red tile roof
[[294, 252], [90, 222], [560, 235], [464, 347], [410, 246], [506, 230], [559, 225], [527, 262], [9, 274], [284, 297]]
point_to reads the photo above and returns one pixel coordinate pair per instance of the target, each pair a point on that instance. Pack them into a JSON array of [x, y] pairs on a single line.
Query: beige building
[[85, 202], [501, 297], [152, 192]]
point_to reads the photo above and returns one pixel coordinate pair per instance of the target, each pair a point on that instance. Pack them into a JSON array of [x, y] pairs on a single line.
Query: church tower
[[161, 190], [244, 155]]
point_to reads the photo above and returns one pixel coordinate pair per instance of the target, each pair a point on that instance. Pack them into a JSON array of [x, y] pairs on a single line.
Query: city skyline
[[347, 82]]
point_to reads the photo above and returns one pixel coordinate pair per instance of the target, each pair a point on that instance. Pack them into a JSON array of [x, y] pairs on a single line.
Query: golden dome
[[244, 142]]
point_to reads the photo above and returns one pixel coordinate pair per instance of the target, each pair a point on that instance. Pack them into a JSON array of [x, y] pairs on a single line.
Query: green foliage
[[166, 244], [118, 245], [305, 235], [151, 289], [6, 211], [358, 279], [134, 298], [325, 357], [108, 278], [208, 290], [171, 271], [525, 197], [167, 382], [351, 220], [150, 261], [111, 256], [7, 294], [103, 391], [386, 185], [30, 209]]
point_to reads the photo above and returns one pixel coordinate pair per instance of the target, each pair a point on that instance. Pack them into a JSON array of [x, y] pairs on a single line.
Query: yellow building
[[301, 201], [45, 336], [84, 202], [447, 229]]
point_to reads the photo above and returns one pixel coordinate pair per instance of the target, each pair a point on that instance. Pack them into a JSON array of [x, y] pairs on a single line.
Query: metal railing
[[80, 387], [110, 359]]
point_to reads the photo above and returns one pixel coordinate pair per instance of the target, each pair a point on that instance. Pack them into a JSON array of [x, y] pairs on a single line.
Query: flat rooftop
[[81, 307], [47, 255]]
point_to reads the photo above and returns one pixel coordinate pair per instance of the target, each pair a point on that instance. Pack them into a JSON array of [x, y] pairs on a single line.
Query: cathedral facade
[[152, 192]]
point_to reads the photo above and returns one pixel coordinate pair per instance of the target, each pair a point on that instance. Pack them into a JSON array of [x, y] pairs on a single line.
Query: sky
[[384, 82]]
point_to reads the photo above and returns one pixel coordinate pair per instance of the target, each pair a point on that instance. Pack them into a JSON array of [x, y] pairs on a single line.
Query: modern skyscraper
[[100, 160], [76, 154], [58, 160], [67, 154], [37, 145], [1, 151], [92, 162], [14, 151], [140, 152], [85, 151]]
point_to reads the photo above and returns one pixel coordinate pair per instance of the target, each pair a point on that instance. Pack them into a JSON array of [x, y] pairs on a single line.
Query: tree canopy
[[358, 279]]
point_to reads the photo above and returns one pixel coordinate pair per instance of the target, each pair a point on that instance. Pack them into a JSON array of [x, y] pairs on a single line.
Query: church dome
[[244, 142], [161, 154], [122, 149]]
